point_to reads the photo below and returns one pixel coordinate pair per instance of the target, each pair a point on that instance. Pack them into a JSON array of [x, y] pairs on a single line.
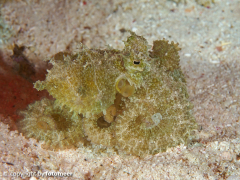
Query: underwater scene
[[140, 89]]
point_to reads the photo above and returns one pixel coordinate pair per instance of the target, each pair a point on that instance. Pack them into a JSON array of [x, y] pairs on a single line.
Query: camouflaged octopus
[[134, 100]]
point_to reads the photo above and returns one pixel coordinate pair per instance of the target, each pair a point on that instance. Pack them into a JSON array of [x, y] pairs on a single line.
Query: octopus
[[58, 127], [134, 100]]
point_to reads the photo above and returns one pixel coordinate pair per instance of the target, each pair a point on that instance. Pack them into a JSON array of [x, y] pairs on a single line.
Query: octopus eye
[[136, 62]]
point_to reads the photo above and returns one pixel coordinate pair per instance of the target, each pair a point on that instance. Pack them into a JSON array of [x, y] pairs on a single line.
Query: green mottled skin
[[81, 81], [58, 127], [146, 87], [135, 130]]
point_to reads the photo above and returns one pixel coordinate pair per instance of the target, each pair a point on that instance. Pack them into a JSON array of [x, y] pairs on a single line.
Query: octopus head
[[136, 56]]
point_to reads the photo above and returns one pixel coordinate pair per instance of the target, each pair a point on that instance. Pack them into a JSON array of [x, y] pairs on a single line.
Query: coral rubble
[[134, 100], [205, 3]]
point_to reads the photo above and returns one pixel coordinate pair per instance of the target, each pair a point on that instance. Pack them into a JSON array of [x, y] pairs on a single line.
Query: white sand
[[210, 41]]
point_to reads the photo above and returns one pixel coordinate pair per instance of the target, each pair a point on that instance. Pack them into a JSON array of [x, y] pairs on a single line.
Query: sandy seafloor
[[210, 57]]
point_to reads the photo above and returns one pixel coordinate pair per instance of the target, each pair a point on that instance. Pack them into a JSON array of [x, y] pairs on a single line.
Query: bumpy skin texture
[[99, 131], [155, 118], [134, 100], [85, 82], [59, 128]]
